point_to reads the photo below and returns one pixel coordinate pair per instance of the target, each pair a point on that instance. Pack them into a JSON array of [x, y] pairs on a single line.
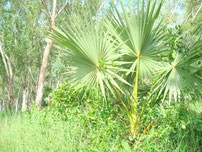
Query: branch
[[4, 57], [171, 16], [62, 8], [48, 14], [196, 13], [186, 18], [45, 13]]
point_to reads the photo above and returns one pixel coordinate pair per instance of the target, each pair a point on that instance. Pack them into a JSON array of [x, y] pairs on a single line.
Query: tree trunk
[[39, 93], [24, 100], [196, 13], [10, 84], [16, 103], [51, 17], [3, 105], [9, 72]]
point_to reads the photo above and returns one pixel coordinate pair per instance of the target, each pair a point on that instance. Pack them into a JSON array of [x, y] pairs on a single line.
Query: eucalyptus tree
[[9, 73], [193, 14], [21, 37], [52, 14]]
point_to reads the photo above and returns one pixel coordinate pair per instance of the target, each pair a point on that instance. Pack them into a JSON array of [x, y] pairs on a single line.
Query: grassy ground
[[174, 130], [38, 134]]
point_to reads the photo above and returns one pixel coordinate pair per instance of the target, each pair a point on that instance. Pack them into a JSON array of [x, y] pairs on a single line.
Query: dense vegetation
[[89, 127], [115, 75]]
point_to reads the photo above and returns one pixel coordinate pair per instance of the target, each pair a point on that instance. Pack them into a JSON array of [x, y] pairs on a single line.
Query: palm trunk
[[133, 106]]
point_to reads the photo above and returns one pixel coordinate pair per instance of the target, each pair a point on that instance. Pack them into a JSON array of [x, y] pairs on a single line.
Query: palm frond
[[137, 25], [92, 53], [182, 72]]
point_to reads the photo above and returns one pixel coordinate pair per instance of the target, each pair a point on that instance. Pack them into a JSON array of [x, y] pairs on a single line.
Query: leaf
[[92, 53], [144, 37], [126, 146]]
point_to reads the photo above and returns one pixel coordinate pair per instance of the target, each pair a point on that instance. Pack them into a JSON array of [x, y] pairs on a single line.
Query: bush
[[83, 121], [175, 128]]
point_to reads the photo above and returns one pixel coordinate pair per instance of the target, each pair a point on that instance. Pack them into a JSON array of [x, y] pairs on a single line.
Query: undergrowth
[[87, 124]]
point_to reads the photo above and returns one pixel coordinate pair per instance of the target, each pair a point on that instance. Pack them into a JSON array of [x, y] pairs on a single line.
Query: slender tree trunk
[[16, 103], [173, 11], [196, 13], [10, 83], [39, 94], [102, 4], [9, 72], [24, 100], [3, 105], [115, 1], [52, 17]]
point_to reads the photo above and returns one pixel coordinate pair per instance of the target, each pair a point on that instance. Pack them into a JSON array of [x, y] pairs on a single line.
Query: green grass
[[176, 129], [36, 134]]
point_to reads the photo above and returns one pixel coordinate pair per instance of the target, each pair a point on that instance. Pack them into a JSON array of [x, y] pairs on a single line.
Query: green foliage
[[137, 25], [95, 45], [175, 42], [175, 128], [183, 70], [88, 127], [99, 53], [91, 52], [66, 101]]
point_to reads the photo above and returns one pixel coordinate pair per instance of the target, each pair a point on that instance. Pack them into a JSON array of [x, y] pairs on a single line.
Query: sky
[[178, 10]]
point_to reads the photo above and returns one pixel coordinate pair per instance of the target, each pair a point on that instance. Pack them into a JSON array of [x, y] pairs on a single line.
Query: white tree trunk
[[39, 93], [3, 106], [9, 72], [16, 104], [24, 100], [51, 16]]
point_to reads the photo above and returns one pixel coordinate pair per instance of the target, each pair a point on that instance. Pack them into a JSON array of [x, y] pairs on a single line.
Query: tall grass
[[175, 128], [39, 134]]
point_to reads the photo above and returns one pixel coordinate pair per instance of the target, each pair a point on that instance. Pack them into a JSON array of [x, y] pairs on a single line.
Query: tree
[[52, 21], [22, 39], [9, 72]]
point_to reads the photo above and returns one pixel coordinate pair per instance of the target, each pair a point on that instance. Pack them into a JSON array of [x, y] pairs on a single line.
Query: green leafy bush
[[175, 128]]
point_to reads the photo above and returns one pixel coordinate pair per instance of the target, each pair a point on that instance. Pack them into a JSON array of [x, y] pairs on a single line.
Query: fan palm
[[94, 48], [137, 24], [184, 71], [92, 54]]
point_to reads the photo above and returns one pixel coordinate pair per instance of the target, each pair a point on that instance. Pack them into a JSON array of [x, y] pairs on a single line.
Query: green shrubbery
[[174, 127], [76, 121]]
